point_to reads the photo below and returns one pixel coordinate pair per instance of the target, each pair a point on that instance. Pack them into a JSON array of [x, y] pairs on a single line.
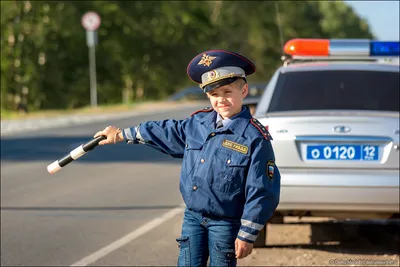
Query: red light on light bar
[[307, 47]]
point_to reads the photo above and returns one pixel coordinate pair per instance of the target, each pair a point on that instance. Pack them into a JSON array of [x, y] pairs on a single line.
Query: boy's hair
[[239, 83]]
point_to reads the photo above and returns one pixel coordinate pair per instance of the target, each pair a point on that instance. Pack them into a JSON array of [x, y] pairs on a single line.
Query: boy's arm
[[262, 191], [167, 136]]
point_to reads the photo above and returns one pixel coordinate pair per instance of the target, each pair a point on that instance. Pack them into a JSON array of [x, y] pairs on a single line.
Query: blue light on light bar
[[378, 48]]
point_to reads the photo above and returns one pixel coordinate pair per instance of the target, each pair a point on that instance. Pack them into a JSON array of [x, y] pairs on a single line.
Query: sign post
[[91, 22]]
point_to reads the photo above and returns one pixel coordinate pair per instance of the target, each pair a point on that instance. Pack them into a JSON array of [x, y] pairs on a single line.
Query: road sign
[[91, 38], [91, 21]]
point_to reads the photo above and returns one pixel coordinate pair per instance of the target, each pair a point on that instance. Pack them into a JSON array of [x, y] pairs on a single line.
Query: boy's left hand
[[242, 248]]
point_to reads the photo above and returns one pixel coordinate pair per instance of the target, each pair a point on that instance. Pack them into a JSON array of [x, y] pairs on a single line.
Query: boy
[[229, 181]]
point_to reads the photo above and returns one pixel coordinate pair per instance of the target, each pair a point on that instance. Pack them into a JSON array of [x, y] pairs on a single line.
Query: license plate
[[342, 152]]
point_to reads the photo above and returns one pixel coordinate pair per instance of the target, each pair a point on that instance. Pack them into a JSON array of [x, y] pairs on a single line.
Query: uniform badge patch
[[235, 146], [270, 169]]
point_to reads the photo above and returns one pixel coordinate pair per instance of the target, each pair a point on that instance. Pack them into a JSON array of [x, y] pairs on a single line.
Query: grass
[[6, 114]]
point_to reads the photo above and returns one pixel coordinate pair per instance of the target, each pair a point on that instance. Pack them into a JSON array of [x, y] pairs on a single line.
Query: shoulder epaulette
[[261, 128], [203, 110]]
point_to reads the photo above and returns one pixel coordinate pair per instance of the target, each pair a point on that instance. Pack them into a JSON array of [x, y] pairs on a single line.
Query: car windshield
[[336, 90]]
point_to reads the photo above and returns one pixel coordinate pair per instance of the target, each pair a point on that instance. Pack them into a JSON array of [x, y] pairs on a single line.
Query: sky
[[382, 16]]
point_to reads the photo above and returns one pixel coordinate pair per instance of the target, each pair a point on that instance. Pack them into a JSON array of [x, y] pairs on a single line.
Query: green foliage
[[144, 46]]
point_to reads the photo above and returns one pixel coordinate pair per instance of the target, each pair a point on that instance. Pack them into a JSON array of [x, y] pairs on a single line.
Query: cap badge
[[213, 75], [206, 60]]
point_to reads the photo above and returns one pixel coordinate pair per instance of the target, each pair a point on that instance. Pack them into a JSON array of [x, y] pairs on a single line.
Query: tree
[[145, 46]]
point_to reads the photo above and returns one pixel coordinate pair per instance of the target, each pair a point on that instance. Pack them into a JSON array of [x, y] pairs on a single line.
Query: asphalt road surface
[[102, 197], [120, 205]]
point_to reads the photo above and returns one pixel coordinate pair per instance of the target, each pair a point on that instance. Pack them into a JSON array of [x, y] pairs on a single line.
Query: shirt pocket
[[191, 155], [231, 171]]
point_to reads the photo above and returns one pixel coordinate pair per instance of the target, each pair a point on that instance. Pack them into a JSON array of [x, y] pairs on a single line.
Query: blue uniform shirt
[[227, 172]]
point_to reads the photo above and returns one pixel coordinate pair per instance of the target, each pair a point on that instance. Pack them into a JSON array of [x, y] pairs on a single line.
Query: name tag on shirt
[[235, 146]]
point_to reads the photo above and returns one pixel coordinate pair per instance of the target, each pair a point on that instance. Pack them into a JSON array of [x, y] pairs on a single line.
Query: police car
[[332, 109]]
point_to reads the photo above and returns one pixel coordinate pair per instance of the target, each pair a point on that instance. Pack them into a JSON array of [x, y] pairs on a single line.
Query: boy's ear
[[245, 90]]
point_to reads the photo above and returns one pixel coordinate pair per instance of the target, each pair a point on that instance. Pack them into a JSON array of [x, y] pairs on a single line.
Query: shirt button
[[212, 134], [228, 161], [187, 145], [194, 188], [202, 160]]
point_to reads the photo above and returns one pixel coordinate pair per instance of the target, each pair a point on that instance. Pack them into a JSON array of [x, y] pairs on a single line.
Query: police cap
[[215, 68]]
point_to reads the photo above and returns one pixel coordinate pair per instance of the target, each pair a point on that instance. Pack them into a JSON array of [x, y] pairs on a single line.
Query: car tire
[[276, 219], [261, 238]]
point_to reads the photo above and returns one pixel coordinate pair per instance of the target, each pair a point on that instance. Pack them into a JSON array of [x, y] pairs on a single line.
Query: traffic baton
[[74, 154]]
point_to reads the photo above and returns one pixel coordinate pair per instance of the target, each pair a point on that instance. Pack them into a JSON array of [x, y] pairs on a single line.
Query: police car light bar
[[341, 48]]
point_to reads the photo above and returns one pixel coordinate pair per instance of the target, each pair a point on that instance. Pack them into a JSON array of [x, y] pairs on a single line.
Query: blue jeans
[[203, 236]]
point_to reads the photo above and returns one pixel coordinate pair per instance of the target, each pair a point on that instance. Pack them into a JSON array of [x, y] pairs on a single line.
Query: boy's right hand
[[113, 134]]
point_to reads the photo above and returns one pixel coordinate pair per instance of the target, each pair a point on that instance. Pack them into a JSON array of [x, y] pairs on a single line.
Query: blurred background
[[144, 46], [142, 51]]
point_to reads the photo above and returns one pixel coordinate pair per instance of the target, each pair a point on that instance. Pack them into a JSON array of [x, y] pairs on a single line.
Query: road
[[120, 205], [62, 218]]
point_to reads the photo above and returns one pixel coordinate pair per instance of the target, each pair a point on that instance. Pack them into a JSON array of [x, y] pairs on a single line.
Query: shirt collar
[[228, 121], [237, 125]]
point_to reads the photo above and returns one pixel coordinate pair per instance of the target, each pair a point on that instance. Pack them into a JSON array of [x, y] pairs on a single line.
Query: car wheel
[[261, 238], [276, 219]]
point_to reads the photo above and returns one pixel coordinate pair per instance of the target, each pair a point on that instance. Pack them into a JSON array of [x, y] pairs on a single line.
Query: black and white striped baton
[[74, 154]]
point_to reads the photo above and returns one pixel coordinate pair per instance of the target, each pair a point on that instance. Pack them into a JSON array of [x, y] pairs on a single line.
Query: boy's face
[[227, 100]]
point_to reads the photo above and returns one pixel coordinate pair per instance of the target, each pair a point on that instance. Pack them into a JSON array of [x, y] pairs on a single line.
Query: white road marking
[[128, 238]]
